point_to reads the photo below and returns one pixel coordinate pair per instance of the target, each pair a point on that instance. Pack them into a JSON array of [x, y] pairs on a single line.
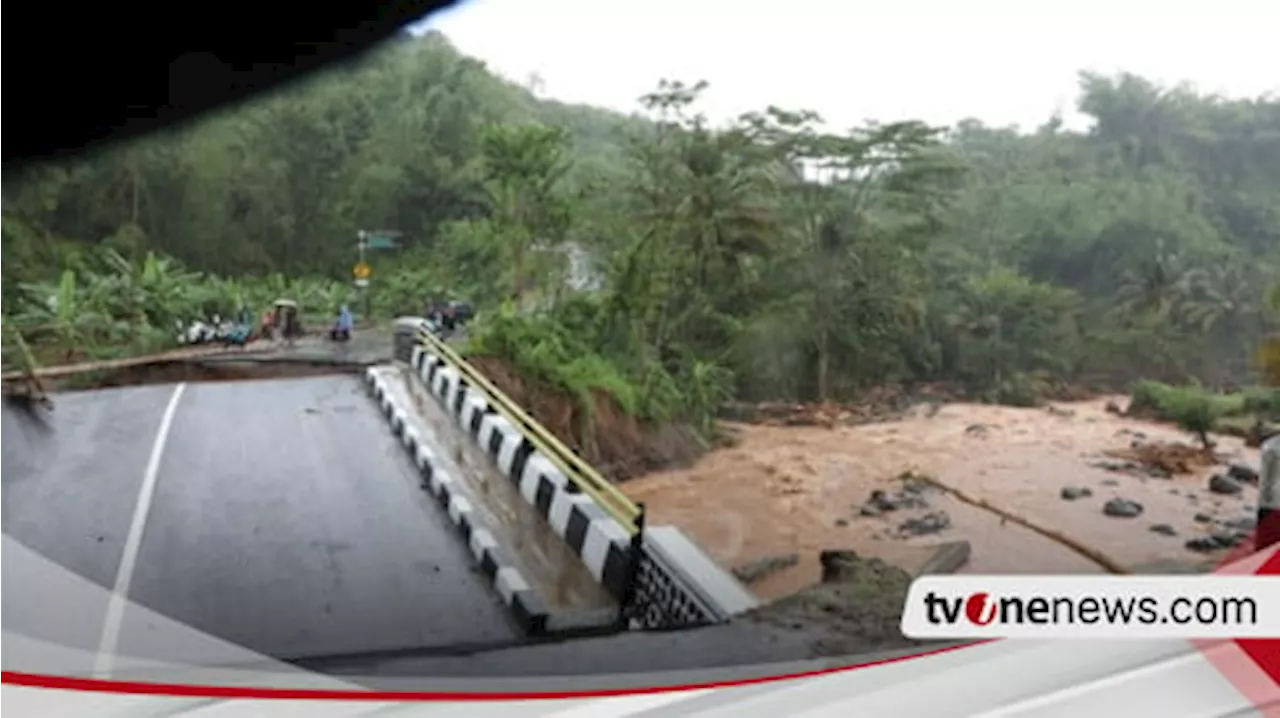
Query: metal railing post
[[627, 606]]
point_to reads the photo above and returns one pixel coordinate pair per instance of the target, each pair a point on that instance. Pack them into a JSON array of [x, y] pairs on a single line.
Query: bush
[[543, 351], [564, 349], [1196, 415], [1164, 402], [1197, 410], [1262, 402], [1024, 390]]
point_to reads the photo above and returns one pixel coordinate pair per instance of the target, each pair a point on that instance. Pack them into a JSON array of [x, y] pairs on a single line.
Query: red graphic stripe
[[1251, 665], [1264, 651]]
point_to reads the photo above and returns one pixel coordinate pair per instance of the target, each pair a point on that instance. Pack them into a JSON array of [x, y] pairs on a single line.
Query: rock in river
[[1071, 493], [1122, 508], [1243, 473], [1220, 484]]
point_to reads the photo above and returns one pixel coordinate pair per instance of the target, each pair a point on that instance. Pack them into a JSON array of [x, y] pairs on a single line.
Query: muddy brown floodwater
[[784, 490]]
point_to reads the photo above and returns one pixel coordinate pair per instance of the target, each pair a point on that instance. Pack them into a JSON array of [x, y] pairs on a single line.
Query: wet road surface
[[280, 515]]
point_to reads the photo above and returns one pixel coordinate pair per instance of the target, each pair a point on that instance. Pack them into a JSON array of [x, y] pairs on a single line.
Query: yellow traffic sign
[[362, 271]]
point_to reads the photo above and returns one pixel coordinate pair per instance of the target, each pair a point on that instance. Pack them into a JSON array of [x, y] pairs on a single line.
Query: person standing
[[292, 326], [268, 324], [1268, 529]]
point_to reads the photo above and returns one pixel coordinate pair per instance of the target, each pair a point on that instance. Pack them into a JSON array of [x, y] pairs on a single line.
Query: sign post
[[362, 272], [368, 241]]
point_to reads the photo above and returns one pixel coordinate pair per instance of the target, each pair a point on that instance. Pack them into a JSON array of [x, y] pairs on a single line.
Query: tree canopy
[[675, 264]]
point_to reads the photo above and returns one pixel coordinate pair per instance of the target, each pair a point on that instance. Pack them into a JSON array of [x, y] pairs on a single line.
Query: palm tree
[[1218, 295], [1155, 285]]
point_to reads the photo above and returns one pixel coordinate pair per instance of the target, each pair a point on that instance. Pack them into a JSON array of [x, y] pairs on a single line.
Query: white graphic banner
[[1142, 607]]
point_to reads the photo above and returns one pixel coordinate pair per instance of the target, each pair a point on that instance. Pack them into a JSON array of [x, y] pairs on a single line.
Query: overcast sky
[[1003, 61]]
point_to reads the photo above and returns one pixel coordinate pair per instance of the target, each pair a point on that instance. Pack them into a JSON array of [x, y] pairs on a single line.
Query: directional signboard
[[379, 241], [362, 271]]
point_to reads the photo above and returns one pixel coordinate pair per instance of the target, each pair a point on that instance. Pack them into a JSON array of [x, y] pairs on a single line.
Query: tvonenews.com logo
[[1147, 606], [983, 609]]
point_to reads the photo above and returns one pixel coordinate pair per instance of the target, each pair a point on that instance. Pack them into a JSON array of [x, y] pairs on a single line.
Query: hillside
[[1007, 264]]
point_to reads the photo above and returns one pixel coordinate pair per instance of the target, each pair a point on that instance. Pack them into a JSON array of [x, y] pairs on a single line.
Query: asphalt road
[[281, 516]]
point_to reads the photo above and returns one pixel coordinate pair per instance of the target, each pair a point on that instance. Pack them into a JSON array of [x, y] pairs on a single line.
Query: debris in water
[[1174, 458], [755, 570], [1122, 508], [930, 523], [1217, 541], [1244, 523], [1071, 493], [1220, 484], [881, 501], [1115, 466], [1243, 473]]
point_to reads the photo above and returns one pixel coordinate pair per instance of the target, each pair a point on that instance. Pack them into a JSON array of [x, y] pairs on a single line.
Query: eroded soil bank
[[616, 444]]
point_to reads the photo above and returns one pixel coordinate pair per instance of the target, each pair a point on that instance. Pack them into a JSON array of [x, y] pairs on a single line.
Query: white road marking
[[133, 542]]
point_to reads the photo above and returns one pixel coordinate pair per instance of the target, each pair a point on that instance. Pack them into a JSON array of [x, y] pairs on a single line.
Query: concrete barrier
[[527, 607], [660, 577], [595, 537]]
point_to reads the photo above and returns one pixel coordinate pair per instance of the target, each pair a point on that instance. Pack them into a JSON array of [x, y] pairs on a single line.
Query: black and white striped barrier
[[528, 608], [660, 578], [593, 536]]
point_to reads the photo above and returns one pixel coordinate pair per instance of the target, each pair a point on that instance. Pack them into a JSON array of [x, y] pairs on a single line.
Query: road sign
[[378, 239], [362, 283], [362, 271]]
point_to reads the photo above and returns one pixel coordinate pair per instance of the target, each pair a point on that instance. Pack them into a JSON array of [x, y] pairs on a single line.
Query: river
[[784, 490]]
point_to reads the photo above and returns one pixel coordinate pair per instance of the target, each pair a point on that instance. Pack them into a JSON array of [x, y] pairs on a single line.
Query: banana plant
[[20, 356], [65, 314]]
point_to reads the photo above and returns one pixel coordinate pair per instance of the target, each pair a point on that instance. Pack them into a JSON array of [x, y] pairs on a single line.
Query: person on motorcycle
[[341, 330], [449, 318]]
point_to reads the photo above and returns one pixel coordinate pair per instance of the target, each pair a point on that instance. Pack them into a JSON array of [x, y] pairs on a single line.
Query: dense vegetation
[[772, 259]]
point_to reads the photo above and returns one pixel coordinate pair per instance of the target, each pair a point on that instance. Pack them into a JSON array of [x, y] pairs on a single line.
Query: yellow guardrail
[[575, 469]]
